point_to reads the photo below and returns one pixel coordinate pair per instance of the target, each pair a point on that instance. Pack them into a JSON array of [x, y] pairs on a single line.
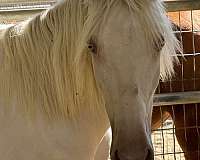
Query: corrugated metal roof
[[10, 5], [12, 11], [22, 1]]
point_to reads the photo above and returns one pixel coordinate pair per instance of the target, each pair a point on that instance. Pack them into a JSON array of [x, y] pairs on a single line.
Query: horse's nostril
[[117, 155], [150, 155]]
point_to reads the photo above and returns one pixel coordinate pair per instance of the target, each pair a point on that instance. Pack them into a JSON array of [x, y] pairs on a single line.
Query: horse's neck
[[46, 141]]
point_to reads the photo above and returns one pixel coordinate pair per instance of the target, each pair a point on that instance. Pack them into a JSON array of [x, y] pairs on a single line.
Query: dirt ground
[[165, 143]]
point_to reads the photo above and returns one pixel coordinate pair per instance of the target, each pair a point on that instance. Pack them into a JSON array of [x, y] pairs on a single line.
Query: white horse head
[[129, 53], [92, 55]]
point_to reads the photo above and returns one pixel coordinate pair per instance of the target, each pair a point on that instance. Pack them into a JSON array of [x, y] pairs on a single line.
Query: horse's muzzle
[[149, 155]]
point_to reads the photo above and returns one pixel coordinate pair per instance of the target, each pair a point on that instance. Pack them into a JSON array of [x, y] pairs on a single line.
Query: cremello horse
[[69, 73]]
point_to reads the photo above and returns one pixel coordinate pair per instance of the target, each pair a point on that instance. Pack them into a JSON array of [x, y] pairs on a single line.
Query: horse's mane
[[45, 63]]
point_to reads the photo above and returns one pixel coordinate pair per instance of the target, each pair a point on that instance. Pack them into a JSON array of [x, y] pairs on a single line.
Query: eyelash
[[92, 46]]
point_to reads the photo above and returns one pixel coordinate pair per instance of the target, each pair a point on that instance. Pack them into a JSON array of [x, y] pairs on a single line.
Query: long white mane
[[45, 65]]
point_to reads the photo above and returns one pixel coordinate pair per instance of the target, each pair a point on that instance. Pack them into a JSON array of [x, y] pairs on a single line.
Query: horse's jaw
[[131, 131]]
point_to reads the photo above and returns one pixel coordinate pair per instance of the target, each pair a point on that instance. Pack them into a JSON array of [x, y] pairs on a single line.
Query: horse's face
[[128, 75]]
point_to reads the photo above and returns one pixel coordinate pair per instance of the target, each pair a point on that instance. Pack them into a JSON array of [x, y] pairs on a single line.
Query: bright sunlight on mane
[[46, 65]]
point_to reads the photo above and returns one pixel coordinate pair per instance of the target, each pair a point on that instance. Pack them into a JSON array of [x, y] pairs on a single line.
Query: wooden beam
[[182, 5], [12, 11]]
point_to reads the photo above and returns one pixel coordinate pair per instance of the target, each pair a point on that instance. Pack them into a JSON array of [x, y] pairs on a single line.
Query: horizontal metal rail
[[166, 99], [182, 5]]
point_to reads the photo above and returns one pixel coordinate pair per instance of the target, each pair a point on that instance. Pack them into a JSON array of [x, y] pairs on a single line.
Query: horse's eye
[[92, 46]]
